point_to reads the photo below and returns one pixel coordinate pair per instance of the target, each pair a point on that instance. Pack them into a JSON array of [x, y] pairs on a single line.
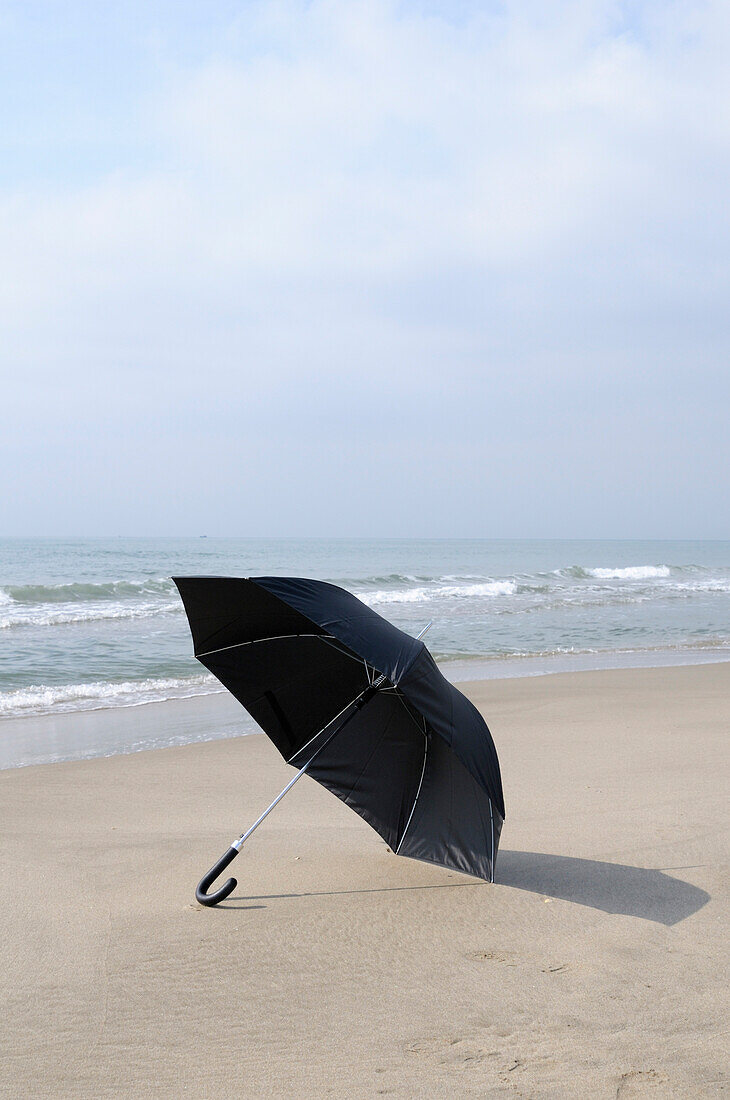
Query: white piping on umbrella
[[420, 784], [491, 820], [256, 641]]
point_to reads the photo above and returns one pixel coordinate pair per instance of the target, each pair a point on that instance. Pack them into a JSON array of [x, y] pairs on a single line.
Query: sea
[[96, 623]]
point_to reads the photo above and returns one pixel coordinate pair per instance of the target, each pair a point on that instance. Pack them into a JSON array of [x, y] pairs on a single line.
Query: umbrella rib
[[484, 827], [329, 639], [420, 784], [256, 641], [491, 822]]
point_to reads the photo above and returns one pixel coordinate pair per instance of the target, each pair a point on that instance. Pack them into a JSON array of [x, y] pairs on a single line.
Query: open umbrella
[[359, 705]]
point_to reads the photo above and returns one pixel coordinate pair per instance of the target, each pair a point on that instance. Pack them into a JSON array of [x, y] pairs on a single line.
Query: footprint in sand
[[638, 1081], [451, 1051], [495, 956]]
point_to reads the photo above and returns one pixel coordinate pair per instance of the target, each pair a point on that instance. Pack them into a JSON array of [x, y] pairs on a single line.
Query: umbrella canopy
[[414, 757]]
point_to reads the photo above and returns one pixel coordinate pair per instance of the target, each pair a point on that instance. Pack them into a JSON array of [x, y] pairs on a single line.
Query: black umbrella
[[361, 707]]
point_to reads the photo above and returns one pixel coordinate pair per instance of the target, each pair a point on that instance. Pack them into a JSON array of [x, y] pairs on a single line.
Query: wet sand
[[595, 967]]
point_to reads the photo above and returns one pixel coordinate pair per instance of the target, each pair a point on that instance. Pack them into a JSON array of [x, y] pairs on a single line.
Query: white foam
[[100, 694], [630, 573], [61, 614], [396, 595], [488, 588], [443, 591], [703, 586]]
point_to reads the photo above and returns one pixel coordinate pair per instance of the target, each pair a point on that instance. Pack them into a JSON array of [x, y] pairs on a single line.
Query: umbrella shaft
[[358, 703], [238, 844]]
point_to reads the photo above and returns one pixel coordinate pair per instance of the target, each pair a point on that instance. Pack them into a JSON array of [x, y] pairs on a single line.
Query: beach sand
[[595, 967]]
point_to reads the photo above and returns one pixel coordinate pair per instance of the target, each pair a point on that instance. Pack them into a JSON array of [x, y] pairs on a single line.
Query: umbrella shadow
[[341, 893], [645, 892]]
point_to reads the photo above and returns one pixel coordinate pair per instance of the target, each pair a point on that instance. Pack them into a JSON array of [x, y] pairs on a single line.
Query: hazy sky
[[344, 268]]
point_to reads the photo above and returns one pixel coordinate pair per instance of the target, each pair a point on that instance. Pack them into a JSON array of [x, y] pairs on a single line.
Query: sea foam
[[630, 573], [100, 694], [439, 591], [60, 604]]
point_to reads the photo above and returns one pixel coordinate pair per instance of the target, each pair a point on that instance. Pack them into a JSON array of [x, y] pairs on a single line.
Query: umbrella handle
[[201, 894]]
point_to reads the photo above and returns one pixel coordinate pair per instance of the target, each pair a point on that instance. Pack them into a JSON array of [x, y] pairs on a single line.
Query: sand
[[595, 967]]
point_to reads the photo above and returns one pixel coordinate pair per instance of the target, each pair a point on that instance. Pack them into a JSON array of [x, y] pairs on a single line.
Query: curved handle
[[201, 894]]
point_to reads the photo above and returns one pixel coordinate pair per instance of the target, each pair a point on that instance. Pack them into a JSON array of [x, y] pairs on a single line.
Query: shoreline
[[101, 732], [592, 968]]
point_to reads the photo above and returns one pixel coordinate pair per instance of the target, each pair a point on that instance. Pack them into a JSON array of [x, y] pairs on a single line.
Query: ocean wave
[[711, 645], [630, 573], [353, 583], [550, 590], [101, 694], [82, 602], [30, 615], [82, 591], [618, 573], [712, 585], [463, 577], [442, 591], [397, 595]]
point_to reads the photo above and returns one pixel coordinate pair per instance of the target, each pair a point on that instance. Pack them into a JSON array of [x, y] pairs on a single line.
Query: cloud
[[486, 222]]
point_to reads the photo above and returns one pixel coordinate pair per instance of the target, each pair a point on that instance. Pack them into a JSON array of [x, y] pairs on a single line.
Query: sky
[[344, 268]]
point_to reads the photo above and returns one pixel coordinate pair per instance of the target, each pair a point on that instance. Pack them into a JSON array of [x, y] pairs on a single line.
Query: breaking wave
[[439, 591], [630, 573], [98, 695], [81, 592], [70, 614], [59, 604]]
